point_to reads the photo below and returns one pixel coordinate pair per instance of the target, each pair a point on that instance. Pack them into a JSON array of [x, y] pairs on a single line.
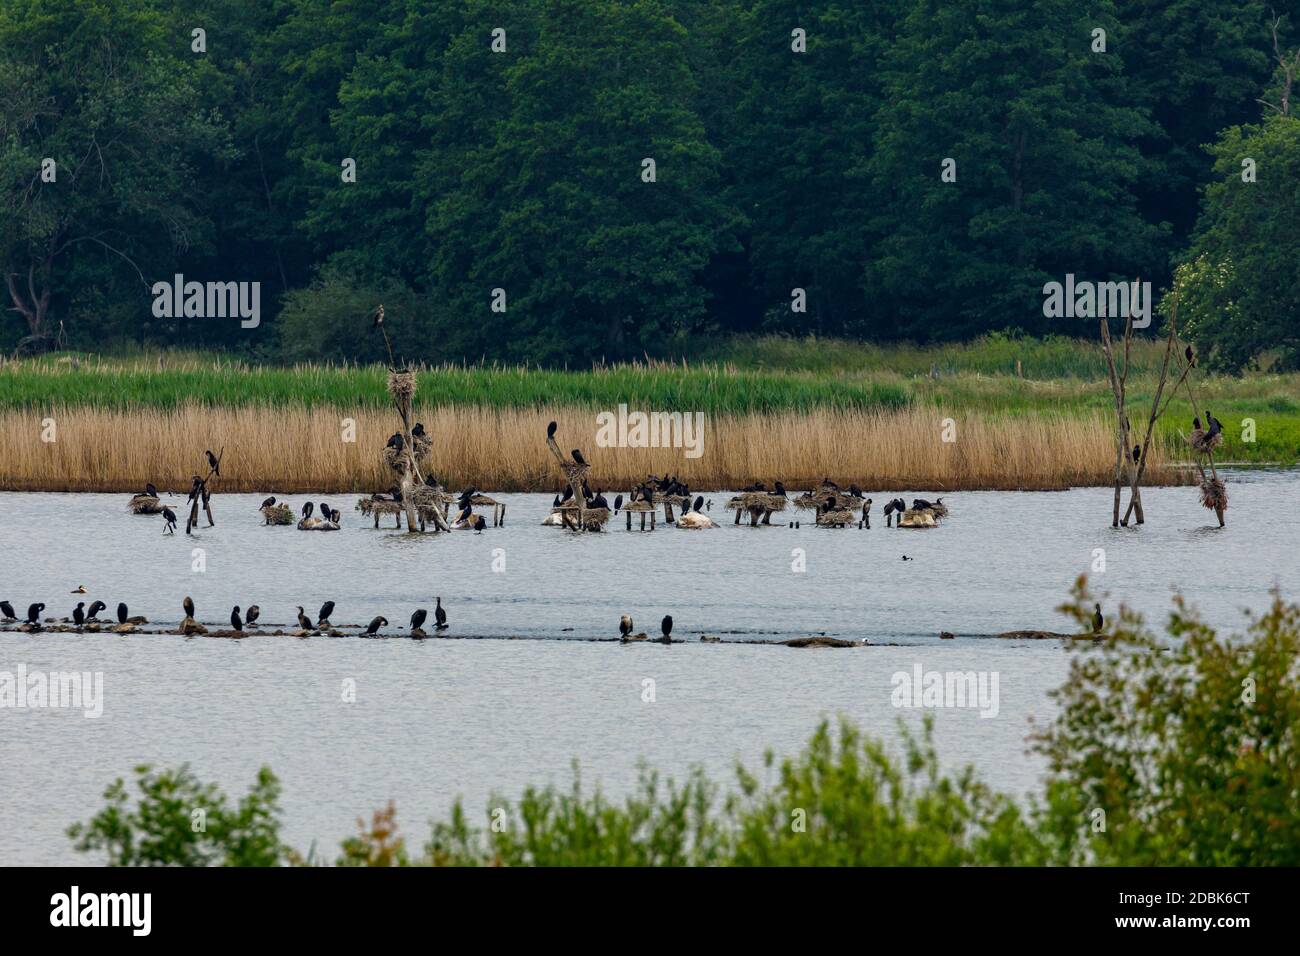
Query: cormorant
[[855, 491], [1196, 423], [188, 604], [325, 511], [269, 502], [417, 619], [213, 463], [396, 441], [196, 488], [418, 430], [150, 490], [169, 521], [625, 625], [253, 612], [699, 503], [1216, 426], [618, 503], [326, 610], [440, 616], [302, 620], [550, 430], [577, 457], [34, 612], [827, 483], [1137, 453], [666, 625], [93, 611], [1191, 356], [122, 612], [780, 489], [79, 614], [479, 523], [919, 504], [7, 610], [373, 627], [235, 620], [599, 500], [1097, 620], [307, 509]]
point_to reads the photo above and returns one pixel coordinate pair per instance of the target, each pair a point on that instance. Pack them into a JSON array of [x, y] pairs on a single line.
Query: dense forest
[[562, 181]]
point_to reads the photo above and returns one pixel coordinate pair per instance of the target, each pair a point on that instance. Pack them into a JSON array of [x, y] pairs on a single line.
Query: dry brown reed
[[287, 450]]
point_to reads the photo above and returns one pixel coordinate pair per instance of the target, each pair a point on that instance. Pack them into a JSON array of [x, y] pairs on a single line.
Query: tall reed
[[298, 448]]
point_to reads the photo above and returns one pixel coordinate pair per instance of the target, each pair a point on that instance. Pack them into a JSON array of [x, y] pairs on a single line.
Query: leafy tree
[[101, 89], [1238, 296]]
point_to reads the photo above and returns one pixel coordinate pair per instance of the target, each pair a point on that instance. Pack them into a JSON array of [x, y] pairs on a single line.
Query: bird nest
[[1202, 442], [831, 519], [638, 507], [574, 473], [681, 500], [1214, 495], [383, 506], [818, 501], [481, 501], [145, 505], [280, 514], [401, 385], [757, 501], [593, 518], [395, 458]]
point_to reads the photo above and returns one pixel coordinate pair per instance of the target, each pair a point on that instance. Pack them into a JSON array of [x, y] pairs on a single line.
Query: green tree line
[[506, 146]]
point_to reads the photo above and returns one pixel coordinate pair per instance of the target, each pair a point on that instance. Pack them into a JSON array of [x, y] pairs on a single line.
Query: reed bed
[[296, 449]]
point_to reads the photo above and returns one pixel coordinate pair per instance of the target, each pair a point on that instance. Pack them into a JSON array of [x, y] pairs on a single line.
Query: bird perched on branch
[[377, 317], [1097, 620], [169, 519], [1190, 354], [213, 463], [577, 457], [1137, 453], [550, 430], [1216, 426]]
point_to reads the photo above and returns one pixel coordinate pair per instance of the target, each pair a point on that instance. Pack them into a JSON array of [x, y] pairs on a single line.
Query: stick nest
[[1201, 441], [401, 385], [1214, 495], [757, 501], [280, 514]]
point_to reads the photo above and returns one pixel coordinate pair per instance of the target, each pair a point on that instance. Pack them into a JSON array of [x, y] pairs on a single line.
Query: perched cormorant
[[440, 616], [213, 463], [1097, 620], [93, 611], [919, 504], [1137, 453], [235, 621], [479, 523], [1190, 356], [1216, 426], [373, 627], [618, 503], [307, 509], [827, 483], [7, 610], [326, 610], [150, 490], [855, 491], [269, 502], [302, 620], [625, 625], [79, 614], [577, 457], [253, 612], [188, 604], [326, 511], [666, 625], [599, 500], [699, 503], [418, 430], [550, 430], [417, 619], [196, 489], [122, 612], [34, 612], [395, 441], [169, 521], [780, 489], [1196, 423]]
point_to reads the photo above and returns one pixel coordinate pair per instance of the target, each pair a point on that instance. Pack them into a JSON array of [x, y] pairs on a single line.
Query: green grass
[[726, 376]]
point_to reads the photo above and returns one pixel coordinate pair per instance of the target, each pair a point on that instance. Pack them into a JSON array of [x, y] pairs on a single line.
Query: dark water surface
[[435, 719]]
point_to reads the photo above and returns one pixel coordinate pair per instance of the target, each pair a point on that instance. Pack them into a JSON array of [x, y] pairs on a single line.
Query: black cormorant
[[326, 610], [169, 521], [417, 619], [625, 625], [302, 620], [618, 503], [577, 457], [1190, 355], [666, 625], [150, 490], [122, 612], [373, 627], [269, 502], [34, 612], [92, 612], [550, 430], [440, 616], [307, 509], [235, 621], [253, 612], [7, 610], [79, 614], [188, 604], [780, 489], [1097, 620], [478, 523], [418, 430], [213, 463]]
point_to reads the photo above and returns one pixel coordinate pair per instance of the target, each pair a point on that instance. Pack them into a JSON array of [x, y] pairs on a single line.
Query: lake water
[[439, 718]]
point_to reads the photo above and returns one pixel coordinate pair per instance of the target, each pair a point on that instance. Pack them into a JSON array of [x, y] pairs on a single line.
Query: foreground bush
[[1173, 751]]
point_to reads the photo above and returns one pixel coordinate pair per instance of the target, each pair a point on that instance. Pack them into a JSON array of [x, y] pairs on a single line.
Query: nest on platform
[[639, 507], [841, 517], [574, 473], [593, 518], [145, 505], [819, 500], [1214, 495], [383, 506], [758, 500], [1203, 442], [280, 514], [395, 458], [918, 518]]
